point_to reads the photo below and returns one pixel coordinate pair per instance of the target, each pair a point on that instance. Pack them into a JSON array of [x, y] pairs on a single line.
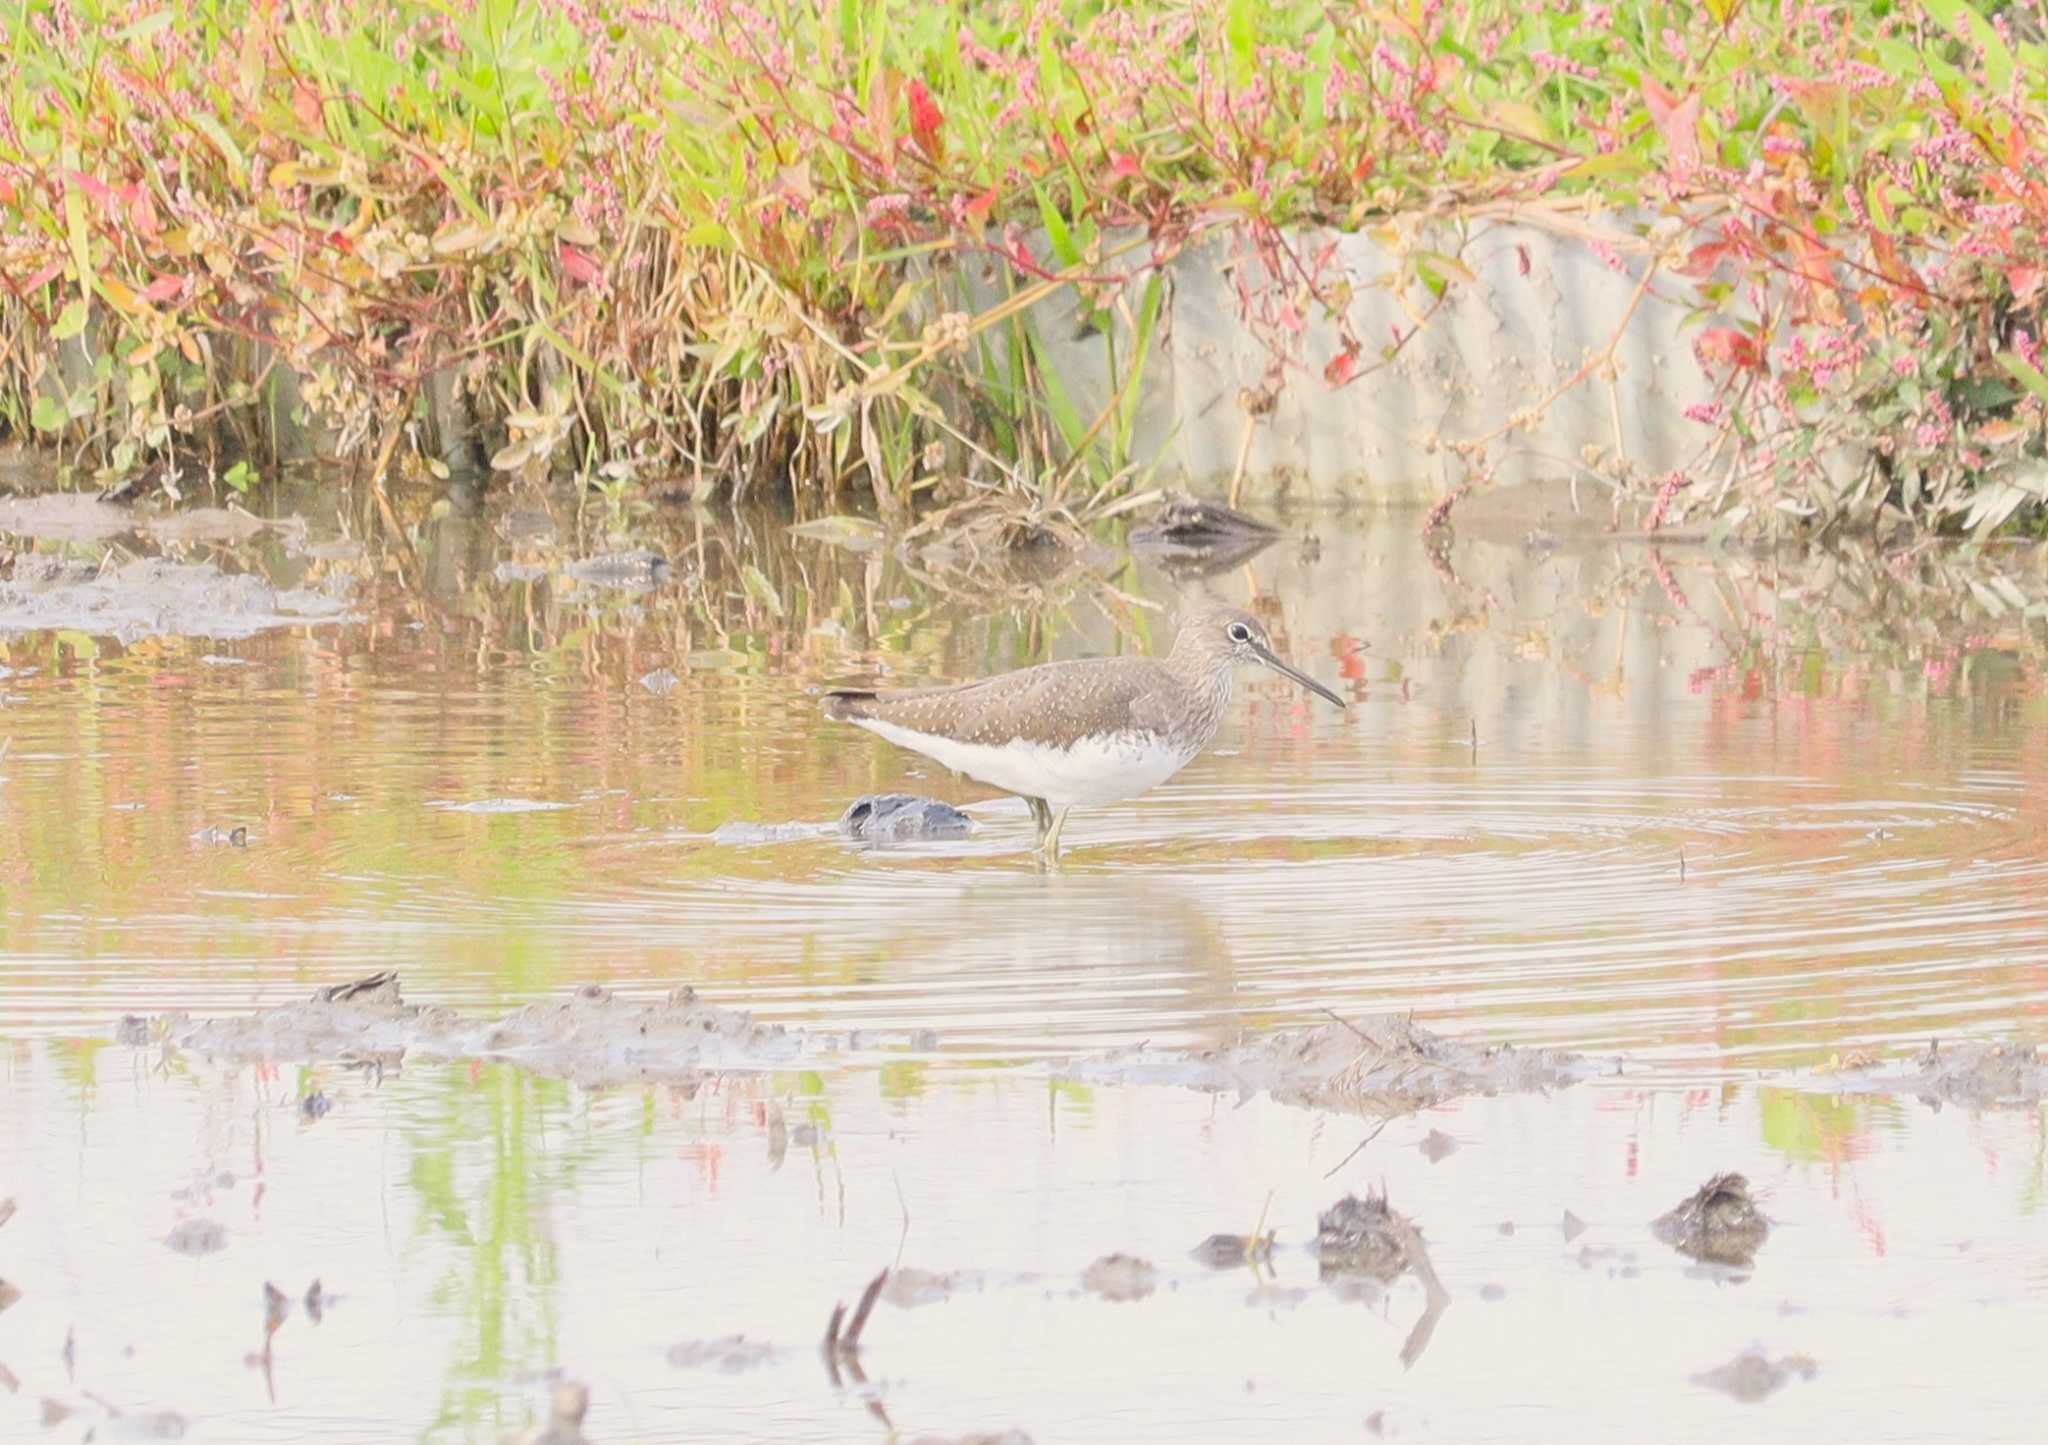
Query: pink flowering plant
[[732, 241]]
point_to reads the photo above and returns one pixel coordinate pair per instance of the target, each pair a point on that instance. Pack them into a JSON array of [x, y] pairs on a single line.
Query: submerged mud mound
[[2002, 1075], [593, 1037], [1383, 1065], [152, 597], [1718, 1223]]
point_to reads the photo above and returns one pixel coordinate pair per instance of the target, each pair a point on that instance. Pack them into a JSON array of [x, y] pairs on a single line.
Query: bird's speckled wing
[[1047, 704]]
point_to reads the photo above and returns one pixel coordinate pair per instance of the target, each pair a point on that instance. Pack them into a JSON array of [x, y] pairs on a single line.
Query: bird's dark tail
[[845, 705]]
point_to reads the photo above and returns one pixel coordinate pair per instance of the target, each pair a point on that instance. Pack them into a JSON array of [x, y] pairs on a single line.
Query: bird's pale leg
[[1040, 815], [1050, 844]]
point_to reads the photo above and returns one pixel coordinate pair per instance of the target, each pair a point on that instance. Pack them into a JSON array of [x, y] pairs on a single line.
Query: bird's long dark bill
[[1273, 661]]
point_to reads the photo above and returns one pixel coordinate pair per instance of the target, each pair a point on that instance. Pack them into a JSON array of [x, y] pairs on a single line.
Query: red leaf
[[163, 289], [982, 204], [1729, 347], [1703, 258], [1678, 121], [306, 105], [44, 277], [99, 190], [1122, 164], [2025, 282], [926, 120], [1343, 366], [580, 265]]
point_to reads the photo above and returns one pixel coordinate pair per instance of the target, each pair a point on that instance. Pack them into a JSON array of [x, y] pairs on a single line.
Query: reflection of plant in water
[[485, 1186], [1822, 1128], [1835, 1131]]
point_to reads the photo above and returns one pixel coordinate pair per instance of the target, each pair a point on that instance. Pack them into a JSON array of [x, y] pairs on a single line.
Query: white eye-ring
[[1238, 632]]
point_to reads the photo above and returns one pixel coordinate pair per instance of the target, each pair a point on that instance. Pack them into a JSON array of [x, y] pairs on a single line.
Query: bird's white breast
[[1104, 768]]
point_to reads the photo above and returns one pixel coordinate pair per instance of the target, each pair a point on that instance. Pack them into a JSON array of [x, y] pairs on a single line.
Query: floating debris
[[315, 1105], [661, 682], [1751, 1376], [317, 1302], [1120, 1277], [1437, 1146], [1572, 1225], [222, 837], [1719, 1223]]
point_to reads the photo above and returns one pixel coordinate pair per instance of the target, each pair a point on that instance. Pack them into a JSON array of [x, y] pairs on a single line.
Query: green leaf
[[1977, 32], [70, 321], [241, 476], [2025, 373], [147, 25], [1240, 30], [1056, 231], [214, 131], [49, 414], [760, 588]]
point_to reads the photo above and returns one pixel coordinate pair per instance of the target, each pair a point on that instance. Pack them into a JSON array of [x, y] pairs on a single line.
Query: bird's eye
[[1238, 632]]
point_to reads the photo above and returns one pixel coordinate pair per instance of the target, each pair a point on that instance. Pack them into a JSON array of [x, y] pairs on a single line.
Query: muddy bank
[[1384, 1065], [592, 1038], [81, 517], [2005, 1074], [152, 597]]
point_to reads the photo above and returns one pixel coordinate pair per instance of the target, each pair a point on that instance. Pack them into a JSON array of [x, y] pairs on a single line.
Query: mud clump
[[152, 597], [1368, 1241], [196, 1237], [1190, 537], [1365, 1236], [1981, 1076], [1377, 1066], [1120, 1277], [730, 1355], [568, 1405], [909, 1288], [2003, 1074], [1227, 1251], [1718, 1224], [899, 817], [1751, 1376], [593, 1038]]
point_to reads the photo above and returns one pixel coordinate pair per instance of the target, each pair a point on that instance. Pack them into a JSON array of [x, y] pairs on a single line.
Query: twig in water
[[1361, 1146], [1681, 862], [849, 1342], [904, 1237], [1251, 1245]]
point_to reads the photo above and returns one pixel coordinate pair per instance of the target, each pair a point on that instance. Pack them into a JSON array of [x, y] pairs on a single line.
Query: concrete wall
[[1501, 342]]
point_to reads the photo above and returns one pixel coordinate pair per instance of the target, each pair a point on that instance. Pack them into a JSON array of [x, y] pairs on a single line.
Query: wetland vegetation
[[800, 248]]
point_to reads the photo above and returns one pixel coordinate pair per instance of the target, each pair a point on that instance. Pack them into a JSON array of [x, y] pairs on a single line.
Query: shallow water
[[1719, 818]]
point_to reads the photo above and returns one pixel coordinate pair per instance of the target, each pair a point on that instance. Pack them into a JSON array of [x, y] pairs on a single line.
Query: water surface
[[1720, 818]]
